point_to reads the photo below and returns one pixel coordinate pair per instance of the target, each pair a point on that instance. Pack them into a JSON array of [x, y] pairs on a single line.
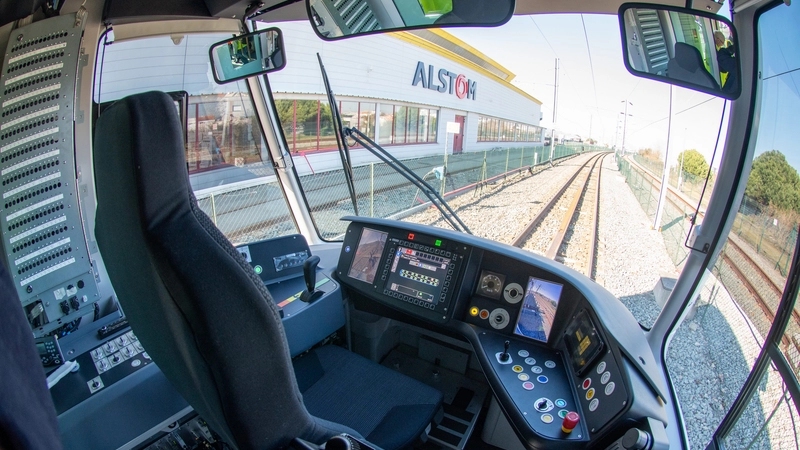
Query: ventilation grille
[[655, 46], [41, 224], [357, 17]]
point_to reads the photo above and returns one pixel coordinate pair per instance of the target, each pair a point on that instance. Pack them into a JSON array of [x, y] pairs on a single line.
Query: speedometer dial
[[491, 284]]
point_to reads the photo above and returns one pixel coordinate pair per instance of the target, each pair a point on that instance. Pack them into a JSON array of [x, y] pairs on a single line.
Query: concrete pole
[[662, 198]]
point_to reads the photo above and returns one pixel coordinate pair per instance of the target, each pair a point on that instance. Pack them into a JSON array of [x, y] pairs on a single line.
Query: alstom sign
[[446, 81]]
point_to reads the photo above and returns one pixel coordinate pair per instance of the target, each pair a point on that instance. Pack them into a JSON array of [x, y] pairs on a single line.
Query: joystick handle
[[310, 276], [504, 356]]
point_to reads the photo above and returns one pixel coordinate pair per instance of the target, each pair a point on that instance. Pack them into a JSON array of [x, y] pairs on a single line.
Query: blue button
[[541, 379], [347, 249], [560, 402]]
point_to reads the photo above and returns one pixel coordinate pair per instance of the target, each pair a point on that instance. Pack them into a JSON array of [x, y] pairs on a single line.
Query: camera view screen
[[417, 274], [368, 255], [538, 309]]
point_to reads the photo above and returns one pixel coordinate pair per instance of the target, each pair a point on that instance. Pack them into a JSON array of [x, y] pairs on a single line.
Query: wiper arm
[[450, 216], [341, 144]]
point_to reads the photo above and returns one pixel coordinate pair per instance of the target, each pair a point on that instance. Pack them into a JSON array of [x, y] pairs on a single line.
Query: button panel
[[602, 394], [99, 368], [538, 392]]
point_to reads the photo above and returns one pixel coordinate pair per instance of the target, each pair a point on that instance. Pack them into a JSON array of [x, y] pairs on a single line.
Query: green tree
[[649, 153], [774, 182], [693, 162]]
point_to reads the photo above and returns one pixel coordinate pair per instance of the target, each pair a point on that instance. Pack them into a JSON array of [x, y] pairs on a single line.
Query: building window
[[498, 130], [386, 123], [308, 124]]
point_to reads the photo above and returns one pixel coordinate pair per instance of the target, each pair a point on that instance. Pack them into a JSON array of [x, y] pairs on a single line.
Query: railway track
[[258, 211], [762, 287], [566, 228]]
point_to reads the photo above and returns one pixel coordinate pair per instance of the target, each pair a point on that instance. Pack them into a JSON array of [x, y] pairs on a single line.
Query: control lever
[[310, 275], [504, 356]]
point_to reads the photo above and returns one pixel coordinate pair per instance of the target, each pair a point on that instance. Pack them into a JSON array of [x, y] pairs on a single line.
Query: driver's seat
[[207, 319]]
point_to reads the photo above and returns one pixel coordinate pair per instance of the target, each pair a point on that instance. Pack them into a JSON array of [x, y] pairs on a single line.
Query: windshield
[[522, 128]]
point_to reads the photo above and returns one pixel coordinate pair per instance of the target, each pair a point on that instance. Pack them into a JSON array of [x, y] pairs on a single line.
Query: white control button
[[536, 369], [605, 377], [594, 404], [550, 364], [523, 353], [530, 361], [610, 388], [601, 367]]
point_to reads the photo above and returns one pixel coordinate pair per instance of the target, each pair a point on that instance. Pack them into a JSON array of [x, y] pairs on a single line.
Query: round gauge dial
[[491, 284]]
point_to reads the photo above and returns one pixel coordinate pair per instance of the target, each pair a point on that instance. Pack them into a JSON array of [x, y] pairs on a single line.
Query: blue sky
[[596, 100], [779, 127]]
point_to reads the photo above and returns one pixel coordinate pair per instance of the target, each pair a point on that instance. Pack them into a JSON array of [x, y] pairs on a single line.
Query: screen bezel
[[442, 279], [522, 308], [380, 255]]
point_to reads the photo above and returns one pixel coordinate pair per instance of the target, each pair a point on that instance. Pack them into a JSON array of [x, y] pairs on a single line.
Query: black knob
[[338, 443], [504, 356], [542, 404], [635, 439], [310, 276]]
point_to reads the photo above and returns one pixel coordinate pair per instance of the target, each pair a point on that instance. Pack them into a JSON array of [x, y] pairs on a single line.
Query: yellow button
[[547, 418], [474, 311], [517, 369], [590, 394]]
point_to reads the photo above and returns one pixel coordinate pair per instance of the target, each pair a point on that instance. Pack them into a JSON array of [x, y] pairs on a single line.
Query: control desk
[[566, 360]]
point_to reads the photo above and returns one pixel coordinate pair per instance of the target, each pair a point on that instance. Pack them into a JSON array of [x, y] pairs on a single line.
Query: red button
[[570, 421], [586, 383]]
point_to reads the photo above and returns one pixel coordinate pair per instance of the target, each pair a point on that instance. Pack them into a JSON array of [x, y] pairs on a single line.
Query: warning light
[[410, 236], [438, 243], [474, 311]]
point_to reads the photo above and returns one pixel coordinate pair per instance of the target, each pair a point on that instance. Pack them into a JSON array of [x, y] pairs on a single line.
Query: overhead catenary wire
[[591, 64], [566, 73], [679, 112]]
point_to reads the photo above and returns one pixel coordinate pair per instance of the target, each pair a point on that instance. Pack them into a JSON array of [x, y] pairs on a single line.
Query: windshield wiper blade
[[341, 144], [450, 216]]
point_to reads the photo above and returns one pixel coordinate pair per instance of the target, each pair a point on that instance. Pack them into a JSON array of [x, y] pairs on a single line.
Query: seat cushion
[[390, 409]]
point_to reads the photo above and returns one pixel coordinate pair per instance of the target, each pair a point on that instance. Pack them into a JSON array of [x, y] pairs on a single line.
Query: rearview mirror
[[247, 55], [681, 46], [336, 19]]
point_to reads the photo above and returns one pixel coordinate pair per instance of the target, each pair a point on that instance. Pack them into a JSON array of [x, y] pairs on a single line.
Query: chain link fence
[[382, 192], [255, 209]]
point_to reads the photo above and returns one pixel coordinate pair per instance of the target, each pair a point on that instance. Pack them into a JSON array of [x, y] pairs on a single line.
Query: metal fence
[[382, 192], [687, 183], [676, 215], [255, 209], [770, 233]]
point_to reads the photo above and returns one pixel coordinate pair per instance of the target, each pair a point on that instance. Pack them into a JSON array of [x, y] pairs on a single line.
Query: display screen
[[418, 274], [583, 343], [538, 309], [368, 255]]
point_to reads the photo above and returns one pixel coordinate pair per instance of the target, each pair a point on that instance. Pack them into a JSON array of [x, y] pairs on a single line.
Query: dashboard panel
[[550, 341]]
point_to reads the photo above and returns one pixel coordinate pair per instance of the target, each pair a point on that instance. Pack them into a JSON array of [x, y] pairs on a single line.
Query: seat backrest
[[687, 65], [198, 308]]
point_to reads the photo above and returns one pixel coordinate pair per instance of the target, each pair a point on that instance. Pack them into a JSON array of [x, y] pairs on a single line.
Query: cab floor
[[463, 403]]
